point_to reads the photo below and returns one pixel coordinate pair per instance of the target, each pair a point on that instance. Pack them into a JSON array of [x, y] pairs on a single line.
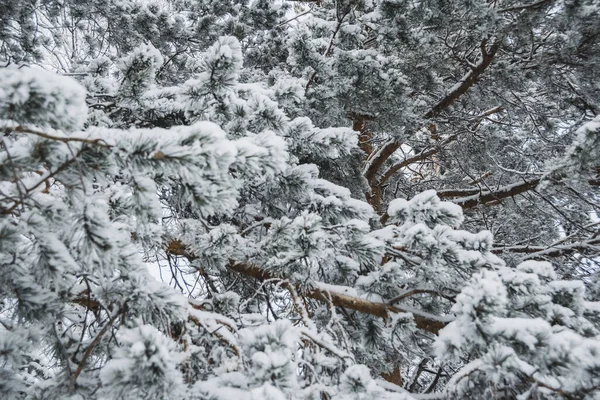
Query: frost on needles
[[299, 200]]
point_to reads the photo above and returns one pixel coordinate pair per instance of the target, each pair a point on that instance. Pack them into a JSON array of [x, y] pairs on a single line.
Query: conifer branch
[[64, 139], [423, 320], [486, 197], [329, 50], [43, 181], [92, 345], [222, 338], [522, 7], [459, 89], [471, 198], [542, 252], [423, 155]]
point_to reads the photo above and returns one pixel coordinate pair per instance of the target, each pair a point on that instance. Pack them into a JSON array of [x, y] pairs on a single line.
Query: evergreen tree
[[264, 199]]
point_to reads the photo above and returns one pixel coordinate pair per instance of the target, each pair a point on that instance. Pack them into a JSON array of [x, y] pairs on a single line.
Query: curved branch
[[423, 321], [470, 198]]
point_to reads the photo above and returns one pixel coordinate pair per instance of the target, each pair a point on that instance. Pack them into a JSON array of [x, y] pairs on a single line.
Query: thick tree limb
[[454, 193], [415, 292], [470, 198], [460, 88], [379, 158], [496, 195], [364, 136], [424, 321], [378, 309], [468, 80]]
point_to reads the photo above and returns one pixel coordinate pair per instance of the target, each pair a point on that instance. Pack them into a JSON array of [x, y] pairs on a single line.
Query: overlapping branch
[[63, 139], [473, 197], [468, 80], [489, 196], [416, 158], [541, 252], [423, 320]]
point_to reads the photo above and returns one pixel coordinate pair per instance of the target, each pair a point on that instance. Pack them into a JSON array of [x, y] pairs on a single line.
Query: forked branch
[[460, 88]]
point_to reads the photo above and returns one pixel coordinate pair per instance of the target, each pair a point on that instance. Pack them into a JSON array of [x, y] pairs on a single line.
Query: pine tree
[[299, 200]]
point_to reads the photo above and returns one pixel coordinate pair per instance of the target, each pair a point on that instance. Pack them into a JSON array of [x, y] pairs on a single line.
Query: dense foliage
[[330, 199]]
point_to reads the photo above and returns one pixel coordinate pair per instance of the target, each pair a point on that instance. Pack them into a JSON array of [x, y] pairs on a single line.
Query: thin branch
[[90, 348], [521, 7], [416, 158], [540, 252], [328, 51], [44, 180], [296, 17], [93, 142]]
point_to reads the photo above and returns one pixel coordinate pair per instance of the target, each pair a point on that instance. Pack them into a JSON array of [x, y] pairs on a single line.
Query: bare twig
[[92, 345], [92, 142]]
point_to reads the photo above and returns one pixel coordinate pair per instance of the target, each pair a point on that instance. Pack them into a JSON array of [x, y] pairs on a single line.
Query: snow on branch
[[460, 88], [381, 309]]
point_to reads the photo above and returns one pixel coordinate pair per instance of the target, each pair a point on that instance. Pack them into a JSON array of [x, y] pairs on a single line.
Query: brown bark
[[375, 308], [468, 80], [394, 377], [374, 198], [381, 157], [378, 309], [497, 195], [473, 197], [359, 122]]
